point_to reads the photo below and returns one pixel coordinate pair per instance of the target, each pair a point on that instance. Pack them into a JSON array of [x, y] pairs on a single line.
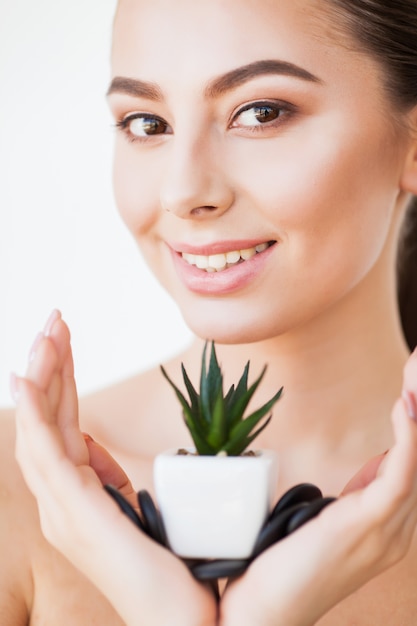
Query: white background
[[62, 243]]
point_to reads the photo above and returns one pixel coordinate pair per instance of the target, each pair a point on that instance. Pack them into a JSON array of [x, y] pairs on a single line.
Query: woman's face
[[245, 125]]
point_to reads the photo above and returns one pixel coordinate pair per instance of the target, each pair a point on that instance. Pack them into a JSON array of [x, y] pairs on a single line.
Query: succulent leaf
[[236, 446], [211, 384], [218, 432], [228, 399], [201, 445], [243, 400], [236, 398], [245, 426], [216, 421], [190, 389], [178, 393], [194, 425]]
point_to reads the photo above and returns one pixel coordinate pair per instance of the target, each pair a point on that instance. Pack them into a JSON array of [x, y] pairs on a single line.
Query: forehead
[[173, 42], [170, 29]]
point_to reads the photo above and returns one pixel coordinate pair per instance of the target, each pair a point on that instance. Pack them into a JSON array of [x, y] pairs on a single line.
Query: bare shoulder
[[140, 414], [124, 394], [17, 509]]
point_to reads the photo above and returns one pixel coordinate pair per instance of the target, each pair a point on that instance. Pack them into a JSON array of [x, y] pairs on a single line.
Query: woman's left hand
[[367, 530]]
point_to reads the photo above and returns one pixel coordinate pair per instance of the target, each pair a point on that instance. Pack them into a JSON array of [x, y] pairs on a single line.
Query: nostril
[[203, 209]]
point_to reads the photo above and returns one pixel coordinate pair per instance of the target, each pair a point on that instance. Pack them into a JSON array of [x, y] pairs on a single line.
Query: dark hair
[[407, 276], [387, 29]]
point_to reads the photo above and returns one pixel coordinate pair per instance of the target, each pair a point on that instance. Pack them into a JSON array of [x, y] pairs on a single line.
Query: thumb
[[366, 474], [108, 470]]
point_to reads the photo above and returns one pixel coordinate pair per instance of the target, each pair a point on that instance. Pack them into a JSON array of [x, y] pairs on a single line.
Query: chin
[[229, 329]]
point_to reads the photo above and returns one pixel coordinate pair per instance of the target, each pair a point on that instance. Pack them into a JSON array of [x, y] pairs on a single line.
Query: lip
[[232, 279]]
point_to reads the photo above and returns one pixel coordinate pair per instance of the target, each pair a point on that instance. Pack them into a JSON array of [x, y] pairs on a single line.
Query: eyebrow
[[218, 86], [241, 75], [134, 87]]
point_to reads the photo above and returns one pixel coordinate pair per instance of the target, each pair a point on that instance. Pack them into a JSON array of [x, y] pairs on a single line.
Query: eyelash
[[283, 110], [123, 126]]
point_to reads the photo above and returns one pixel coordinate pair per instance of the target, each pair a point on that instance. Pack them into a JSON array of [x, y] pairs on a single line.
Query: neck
[[341, 374]]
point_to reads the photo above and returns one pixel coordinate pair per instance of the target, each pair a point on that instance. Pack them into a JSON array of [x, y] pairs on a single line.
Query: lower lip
[[231, 279]]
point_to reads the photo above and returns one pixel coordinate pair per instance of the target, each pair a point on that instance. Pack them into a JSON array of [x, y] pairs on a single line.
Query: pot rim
[[260, 454]]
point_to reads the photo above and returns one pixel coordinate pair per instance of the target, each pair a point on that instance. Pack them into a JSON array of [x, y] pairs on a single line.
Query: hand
[[367, 530], [65, 472]]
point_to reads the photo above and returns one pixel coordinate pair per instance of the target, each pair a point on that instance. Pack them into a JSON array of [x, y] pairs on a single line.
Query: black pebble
[[219, 568], [305, 492], [296, 507], [153, 523], [125, 506], [307, 513], [275, 529]]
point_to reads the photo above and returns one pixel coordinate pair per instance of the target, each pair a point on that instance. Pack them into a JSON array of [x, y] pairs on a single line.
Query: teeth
[[190, 258], [219, 262], [248, 253], [201, 261], [233, 257]]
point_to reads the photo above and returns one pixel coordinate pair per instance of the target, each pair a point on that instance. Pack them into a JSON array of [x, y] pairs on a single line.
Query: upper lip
[[218, 247]]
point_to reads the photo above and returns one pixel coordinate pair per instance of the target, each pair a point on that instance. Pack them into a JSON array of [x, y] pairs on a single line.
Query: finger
[[108, 470], [51, 368], [43, 362], [67, 406], [61, 489], [390, 501], [58, 486], [60, 338], [383, 515], [366, 474], [401, 463], [34, 430]]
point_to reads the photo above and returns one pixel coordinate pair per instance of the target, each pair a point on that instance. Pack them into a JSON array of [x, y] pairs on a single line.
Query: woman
[[276, 143]]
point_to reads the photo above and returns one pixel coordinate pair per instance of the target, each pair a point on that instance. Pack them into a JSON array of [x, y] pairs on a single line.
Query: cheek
[[136, 187], [330, 202]]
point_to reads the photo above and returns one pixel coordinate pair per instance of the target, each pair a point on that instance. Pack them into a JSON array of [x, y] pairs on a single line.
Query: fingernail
[[50, 322], [410, 404], [87, 437], [35, 345], [14, 386]]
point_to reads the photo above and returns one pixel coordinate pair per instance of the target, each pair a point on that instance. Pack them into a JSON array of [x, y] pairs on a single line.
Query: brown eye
[[258, 114], [265, 114], [142, 126]]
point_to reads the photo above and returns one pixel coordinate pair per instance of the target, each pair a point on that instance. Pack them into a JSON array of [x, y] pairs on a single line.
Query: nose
[[195, 186]]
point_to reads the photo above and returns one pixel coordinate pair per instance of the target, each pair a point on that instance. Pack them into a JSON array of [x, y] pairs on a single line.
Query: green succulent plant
[[216, 421]]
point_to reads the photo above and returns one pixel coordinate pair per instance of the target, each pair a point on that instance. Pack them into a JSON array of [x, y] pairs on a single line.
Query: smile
[[223, 261]]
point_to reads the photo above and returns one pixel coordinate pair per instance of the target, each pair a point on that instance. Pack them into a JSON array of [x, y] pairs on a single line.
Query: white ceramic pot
[[214, 507]]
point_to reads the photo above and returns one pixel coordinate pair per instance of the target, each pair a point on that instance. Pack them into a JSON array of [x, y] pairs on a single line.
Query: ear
[[408, 180]]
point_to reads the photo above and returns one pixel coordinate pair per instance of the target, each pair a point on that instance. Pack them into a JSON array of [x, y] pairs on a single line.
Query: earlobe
[[409, 175]]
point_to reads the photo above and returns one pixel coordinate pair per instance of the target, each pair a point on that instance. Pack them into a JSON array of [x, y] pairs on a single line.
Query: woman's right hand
[[66, 471], [367, 530]]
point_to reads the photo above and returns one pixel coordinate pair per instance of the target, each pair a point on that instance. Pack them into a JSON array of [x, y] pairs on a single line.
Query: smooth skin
[[367, 530], [327, 177], [57, 459]]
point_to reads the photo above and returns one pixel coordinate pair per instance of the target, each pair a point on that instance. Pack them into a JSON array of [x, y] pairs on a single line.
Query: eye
[[260, 114], [142, 125]]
